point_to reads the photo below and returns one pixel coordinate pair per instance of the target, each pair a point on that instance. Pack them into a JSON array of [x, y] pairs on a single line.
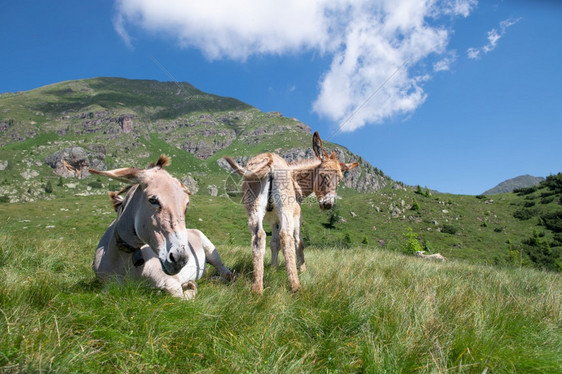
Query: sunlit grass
[[359, 310]]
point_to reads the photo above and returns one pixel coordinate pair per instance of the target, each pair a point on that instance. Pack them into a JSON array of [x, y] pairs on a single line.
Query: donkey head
[[156, 210], [328, 174]]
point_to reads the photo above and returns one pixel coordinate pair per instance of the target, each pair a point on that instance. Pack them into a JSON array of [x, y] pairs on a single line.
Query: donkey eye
[[154, 201]]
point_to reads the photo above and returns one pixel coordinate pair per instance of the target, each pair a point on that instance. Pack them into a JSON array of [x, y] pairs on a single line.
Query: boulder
[[191, 184], [74, 162]]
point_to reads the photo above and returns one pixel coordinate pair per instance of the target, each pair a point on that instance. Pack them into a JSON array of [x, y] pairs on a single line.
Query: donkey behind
[[273, 190], [149, 240]]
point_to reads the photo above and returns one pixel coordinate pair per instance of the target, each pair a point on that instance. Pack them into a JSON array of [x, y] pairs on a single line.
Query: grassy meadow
[[362, 307]]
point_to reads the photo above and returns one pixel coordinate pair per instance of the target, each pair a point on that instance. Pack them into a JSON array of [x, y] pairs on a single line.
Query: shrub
[[333, 218], [365, 241], [347, 240], [60, 182], [553, 221], [4, 199], [529, 204], [48, 187], [415, 205], [539, 251], [525, 214], [412, 244], [481, 197], [95, 184], [553, 182], [547, 200], [525, 190], [449, 229]]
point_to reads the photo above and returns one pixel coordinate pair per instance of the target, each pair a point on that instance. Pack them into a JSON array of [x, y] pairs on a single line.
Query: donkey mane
[[162, 162], [116, 199]]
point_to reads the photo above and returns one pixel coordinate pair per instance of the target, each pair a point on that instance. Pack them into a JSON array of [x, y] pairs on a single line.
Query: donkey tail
[[257, 168], [237, 168]]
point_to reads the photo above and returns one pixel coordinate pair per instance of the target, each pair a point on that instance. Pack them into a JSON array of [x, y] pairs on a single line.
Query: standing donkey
[[273, 190], [149, 240]]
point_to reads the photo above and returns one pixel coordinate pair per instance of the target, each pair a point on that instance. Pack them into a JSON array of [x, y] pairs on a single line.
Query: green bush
[[415, 205], [540, 252], [95, 184], [412, 244], [547, 200], [553, 183], [525, 190], [48, 187], [347, 240], [449, 229], [553, 221], [525, 214]]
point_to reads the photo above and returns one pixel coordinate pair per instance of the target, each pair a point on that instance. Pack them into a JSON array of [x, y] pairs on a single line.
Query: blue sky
[[455, 95]]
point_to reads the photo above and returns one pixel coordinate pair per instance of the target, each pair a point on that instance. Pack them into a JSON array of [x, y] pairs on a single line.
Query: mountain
[[522, 181], [56, 132]]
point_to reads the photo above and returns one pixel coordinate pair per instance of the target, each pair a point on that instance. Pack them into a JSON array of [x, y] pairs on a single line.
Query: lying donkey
[[273, 190], [149, 240]]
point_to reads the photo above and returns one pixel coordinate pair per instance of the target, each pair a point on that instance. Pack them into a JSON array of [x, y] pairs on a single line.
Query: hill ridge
[[521, 181], [119, 122]]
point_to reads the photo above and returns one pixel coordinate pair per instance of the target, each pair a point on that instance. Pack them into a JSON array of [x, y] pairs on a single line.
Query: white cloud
[[493, 38], [120, 28], [473, 53], [376, 46], [445, 63]]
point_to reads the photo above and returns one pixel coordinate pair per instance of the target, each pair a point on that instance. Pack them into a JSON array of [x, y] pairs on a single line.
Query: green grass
[[361, 309]]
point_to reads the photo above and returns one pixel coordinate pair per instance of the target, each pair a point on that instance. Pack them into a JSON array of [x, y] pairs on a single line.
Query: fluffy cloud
[[493, 37], [376, 47]]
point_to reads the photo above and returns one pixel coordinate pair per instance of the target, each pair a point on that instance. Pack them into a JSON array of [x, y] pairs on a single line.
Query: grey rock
[[191, 184], [74, 162], [213, 190]]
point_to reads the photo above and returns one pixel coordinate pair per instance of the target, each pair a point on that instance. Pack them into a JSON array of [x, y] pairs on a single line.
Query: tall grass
[[360, 310]]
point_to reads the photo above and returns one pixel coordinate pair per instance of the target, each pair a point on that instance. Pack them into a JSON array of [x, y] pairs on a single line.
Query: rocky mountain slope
[[53, 134], [522, 181]]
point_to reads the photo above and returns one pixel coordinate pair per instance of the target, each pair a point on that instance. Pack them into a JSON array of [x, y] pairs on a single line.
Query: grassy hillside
[[361, 308], [123, 122]]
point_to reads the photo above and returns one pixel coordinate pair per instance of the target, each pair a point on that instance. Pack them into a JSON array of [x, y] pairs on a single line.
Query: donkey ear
[[318, 147], [345, 166], [128, 175]]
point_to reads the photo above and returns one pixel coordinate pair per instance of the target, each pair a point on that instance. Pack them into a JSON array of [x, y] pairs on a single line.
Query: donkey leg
[[258, 251], [213, 257], [300, 250], [172, 284], [274, 244], [298, 240], [288, 247]]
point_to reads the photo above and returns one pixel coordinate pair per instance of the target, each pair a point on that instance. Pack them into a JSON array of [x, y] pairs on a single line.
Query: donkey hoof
[[295, 287], [257, 289], [231, 276], [189, 289]]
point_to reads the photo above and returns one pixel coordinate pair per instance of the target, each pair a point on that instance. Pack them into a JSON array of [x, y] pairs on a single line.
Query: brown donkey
[[273, 190]]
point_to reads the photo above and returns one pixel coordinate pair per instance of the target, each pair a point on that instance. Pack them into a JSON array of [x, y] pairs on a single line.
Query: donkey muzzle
[[176, 259], [327, 202]]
